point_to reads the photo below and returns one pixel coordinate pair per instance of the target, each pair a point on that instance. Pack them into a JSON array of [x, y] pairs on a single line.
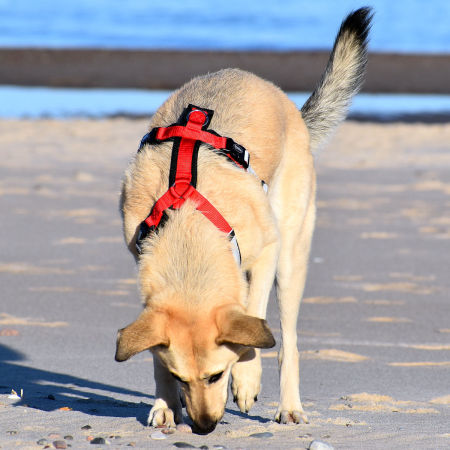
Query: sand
[[374, 327]]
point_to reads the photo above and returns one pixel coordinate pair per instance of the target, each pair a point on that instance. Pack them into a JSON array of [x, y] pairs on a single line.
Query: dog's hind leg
[[293, 202], [291, 277], [167, 408]]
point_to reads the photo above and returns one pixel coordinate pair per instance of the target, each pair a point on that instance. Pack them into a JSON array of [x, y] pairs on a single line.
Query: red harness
[[188, 134]]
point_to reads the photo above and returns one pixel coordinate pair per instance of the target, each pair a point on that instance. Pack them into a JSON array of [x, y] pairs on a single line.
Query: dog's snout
[[205, 425]]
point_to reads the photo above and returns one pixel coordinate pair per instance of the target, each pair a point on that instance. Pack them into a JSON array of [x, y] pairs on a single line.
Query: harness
[[187, 135]]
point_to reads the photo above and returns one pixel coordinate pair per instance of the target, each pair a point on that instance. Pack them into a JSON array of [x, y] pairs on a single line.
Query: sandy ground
[[375, 323]]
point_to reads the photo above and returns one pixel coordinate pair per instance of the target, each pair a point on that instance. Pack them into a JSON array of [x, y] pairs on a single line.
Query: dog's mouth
[[204, 426]]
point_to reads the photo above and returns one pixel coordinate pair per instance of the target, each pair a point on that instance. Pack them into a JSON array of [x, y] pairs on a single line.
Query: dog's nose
[[205, 425]]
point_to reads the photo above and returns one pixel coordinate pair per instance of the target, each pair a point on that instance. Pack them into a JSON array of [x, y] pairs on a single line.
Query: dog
[[204, 304]]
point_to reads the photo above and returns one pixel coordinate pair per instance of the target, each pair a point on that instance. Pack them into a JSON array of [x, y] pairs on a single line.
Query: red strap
[[208, 210], [182, 188]]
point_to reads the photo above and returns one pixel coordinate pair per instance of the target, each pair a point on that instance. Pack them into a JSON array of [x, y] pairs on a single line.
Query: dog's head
[[198, 350]]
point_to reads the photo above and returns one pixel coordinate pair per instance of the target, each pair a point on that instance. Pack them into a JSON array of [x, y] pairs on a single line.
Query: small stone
[[184, 428], [86, 427], [131, 444], [204, 447], [319, 445], [51, 397], [158, 436], [59, 444], [68, 437], [42, 442], [12, 432], [99, 441], [89, 438], [183, 445], [263, 435], [168, 431]]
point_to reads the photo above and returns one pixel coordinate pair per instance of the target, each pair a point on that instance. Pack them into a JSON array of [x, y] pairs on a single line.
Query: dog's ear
[[235, 327], [146, 332]]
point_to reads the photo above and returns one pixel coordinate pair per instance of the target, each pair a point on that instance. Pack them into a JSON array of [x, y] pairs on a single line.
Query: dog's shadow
[[50, 391]]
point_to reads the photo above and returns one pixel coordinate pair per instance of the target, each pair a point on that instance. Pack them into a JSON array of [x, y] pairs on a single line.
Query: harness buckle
[[239, 154]]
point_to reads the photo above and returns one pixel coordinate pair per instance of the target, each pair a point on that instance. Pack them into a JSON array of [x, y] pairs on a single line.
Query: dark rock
[[98, 441], [183, 445], [86, 427], [60, 444], [42, 442]]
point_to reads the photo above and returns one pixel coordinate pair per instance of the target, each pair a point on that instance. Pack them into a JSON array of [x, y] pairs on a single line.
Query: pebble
[[183, 445], [263, 435], [158, 436], [99, 440], [42, 442], [184, 428], [60, 444], [132, 444], [12, 432], [86, 427], [319, 445], [51, 397], [68, 437]]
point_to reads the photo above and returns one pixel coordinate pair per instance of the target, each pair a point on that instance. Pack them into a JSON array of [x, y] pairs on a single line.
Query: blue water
[[33, 102], [399, 25]]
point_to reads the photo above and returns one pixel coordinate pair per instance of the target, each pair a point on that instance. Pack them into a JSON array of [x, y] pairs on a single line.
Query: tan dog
[[204, 314]]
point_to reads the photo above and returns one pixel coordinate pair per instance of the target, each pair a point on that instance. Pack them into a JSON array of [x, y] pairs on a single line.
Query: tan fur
[[204, 316]]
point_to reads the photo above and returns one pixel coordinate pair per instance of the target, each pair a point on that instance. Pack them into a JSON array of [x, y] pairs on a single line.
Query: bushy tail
[[343, 77]]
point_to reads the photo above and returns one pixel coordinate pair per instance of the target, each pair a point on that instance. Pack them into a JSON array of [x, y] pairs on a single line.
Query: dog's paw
[[161, 417], [246, 383], [295, 416]]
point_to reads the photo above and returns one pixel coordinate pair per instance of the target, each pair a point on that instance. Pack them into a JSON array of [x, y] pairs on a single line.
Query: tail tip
[[359, 22]]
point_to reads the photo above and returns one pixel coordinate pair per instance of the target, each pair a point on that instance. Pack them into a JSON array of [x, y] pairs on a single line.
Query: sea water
[[398, 26]]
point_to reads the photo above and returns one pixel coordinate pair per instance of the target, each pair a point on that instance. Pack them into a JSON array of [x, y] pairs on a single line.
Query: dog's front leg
[[247, 371], [167, 408]]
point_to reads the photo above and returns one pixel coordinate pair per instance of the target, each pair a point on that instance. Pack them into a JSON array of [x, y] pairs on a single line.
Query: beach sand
[[374, 327]]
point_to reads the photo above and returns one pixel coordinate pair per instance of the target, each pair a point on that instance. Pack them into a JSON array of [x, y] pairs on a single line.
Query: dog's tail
[[343, 77]]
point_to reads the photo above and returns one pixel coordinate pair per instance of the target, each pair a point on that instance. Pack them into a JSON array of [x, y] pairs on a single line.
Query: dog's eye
[[216, 377], [178, 378]]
